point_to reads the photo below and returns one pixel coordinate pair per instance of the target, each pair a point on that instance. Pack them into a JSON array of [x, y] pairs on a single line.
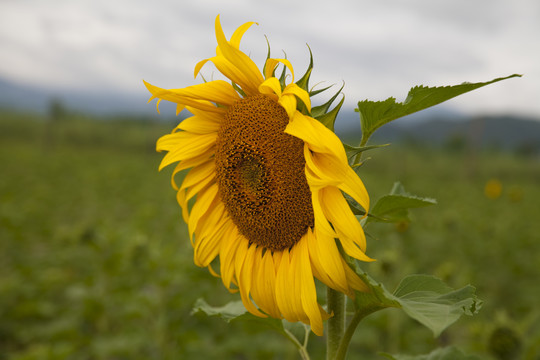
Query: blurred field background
[[95, 262]]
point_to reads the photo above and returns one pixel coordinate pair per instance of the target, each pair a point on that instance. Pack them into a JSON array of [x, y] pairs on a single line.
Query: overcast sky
[[380, 48]]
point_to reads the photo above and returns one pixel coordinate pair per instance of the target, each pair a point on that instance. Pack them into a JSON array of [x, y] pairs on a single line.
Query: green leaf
[[424, 298], [374, 114], [447, 353], [228, 312], [235, 311], [394, 207], [428, 300], [354, 152]]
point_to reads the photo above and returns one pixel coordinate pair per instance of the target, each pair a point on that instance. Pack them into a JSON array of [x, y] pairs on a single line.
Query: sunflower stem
[[347, 336], [336, 302]]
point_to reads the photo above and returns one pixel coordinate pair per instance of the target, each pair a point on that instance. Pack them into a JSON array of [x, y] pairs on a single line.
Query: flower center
[[260, 174]]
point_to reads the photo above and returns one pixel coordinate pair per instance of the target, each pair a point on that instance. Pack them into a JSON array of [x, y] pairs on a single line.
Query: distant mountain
[[25, 97]]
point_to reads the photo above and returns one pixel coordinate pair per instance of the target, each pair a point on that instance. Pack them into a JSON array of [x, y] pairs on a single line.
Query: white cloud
[[379, 48]]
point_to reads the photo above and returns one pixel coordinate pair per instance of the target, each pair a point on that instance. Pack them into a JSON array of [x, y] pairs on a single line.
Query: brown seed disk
[[260, 174]]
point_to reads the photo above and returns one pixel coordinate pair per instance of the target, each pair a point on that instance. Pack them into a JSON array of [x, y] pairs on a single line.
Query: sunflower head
[[265, 183]]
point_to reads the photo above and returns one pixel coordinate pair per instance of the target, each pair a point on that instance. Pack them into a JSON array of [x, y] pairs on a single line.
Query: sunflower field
[[96, 263]]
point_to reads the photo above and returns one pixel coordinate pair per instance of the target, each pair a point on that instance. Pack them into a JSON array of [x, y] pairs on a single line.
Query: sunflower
[[264, 191]]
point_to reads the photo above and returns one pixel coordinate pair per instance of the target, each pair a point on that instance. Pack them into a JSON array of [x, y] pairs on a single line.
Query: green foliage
[[374, 114], [395, 206], [96, 264], [447, 353]]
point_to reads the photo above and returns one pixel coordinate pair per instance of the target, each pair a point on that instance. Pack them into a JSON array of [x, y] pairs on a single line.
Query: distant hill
[[504, 131]]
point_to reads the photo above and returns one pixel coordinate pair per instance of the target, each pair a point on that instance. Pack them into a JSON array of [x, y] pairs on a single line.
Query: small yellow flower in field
[[493, 189], [264, 192]]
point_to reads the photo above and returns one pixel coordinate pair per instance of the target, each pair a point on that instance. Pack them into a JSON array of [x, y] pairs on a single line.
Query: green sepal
[[238, 89], [320, 110], [267, 56], [447, 353], [374, 114], [324, 115], [283, 75], [313, 92], [303, 83], [395, 206]]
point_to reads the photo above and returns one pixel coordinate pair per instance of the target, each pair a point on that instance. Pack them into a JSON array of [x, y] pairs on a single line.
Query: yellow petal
[[353, 280], [316, 262], [217, 91], [283, 288], [238, 33], [327, 168], [200, 125], [263, 286], [227, 253], [318, 137], [208, 240], [338, 212], [192, 162], [238, 59], [196, 182], [271, 86], [199, 174], [295, 279], [316, 179], [179, 108], [235, 74], [329, 258], [308, 292], [321, 223], [165, 94], [201, 206], [268, 276], [271, 66], [244, 274], [198, 67], [295, 90], [289, 104], [184, 145], [212, 271]]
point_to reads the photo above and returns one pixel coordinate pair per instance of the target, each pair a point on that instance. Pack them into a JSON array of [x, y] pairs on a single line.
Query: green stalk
[[336, 302]]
